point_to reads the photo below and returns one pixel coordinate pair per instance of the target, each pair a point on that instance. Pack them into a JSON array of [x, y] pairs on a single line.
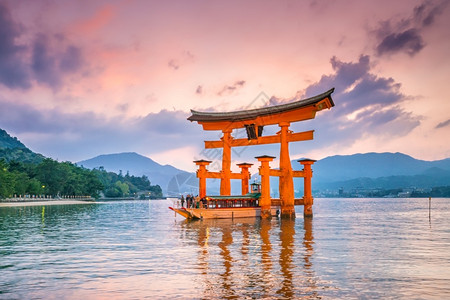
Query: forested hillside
[[23, 172]]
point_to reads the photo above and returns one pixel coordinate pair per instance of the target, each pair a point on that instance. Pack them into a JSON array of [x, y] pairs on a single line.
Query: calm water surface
[[352, 249]]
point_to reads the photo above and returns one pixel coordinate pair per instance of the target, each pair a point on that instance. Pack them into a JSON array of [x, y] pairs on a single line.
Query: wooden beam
[[296, 115], [274, 172], [236, 176], [219, 175], [213, 175], [264, 140], [277, 201], [298, 174]]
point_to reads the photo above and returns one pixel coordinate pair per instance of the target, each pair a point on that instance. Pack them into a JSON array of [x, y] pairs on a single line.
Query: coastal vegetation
[[54, 178], [117, 185], [23, 172]]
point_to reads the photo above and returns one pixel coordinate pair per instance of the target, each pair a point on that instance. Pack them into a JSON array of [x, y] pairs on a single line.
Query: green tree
[[35, 187], [123, 188], [6, 181]]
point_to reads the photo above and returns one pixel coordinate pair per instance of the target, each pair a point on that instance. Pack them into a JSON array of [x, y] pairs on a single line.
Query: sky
[[84, 78]]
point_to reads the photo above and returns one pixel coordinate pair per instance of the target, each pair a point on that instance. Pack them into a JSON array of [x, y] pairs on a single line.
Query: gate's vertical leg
[[201, 175], [286, 185], [245, 177], [307, 198], [225, 181], [264, 201]]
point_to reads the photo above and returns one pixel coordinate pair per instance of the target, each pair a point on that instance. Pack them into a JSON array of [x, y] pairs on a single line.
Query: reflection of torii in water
[[278, 271], [253, 121]]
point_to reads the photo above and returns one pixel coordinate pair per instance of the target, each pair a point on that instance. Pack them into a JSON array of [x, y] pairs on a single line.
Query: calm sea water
[[352, 249]]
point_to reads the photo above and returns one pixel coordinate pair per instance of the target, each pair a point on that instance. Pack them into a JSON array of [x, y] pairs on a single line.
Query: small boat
[[226, 207]]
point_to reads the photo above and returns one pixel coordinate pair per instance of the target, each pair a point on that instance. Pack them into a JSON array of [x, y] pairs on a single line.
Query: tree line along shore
[[50, 179]]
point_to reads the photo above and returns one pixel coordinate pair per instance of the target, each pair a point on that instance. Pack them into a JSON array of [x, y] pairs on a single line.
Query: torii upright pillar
[[307, 197], [202, 175], [245, 176], [264, 201], [225, 181], [286, 183]]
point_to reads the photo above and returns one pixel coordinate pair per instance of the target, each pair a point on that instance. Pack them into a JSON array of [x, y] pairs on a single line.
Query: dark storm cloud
[[228, 89], [13, 70], [52, 57], [406, 35]]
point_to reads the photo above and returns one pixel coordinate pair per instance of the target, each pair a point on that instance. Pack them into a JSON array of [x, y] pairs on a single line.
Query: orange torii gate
[[253, 121]]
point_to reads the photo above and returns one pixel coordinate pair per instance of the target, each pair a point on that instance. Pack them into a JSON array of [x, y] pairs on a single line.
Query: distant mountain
[[139, 165], [11, 149], [371, 165], [378, 170]]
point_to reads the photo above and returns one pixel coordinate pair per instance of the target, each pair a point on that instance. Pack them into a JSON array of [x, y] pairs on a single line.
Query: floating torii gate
[[253, 121]]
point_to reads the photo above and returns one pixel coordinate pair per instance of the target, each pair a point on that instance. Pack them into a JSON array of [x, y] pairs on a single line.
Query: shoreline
[[45, 202]]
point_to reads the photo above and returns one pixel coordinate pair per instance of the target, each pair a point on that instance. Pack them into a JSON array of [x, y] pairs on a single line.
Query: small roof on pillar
[[245, 164], [203, 161], [319, 102], [306, 160]]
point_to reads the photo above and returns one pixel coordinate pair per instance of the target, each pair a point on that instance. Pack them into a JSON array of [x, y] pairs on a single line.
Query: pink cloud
[[99, 20]]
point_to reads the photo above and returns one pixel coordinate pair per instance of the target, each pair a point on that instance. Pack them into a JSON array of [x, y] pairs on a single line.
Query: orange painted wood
[[298, 174], [213, 175], [304, 113], [264, 140]]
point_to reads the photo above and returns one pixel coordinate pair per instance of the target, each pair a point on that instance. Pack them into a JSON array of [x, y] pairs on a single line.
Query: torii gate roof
[[289, 112]]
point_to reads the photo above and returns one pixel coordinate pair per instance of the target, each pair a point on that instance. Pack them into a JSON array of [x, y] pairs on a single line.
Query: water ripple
[[352, 249]]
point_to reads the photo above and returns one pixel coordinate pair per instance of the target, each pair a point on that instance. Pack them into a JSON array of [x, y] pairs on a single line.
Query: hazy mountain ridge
[[136, 165], [379, 171], [371, 165], [367, 171]]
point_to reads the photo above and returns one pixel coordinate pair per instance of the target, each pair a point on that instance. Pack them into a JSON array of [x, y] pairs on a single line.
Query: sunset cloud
[[51, 60], [443, 124], [84, 79], [366, 105], [228, 89], [52, 57], [100, 19], [405, 35], [13, 69]]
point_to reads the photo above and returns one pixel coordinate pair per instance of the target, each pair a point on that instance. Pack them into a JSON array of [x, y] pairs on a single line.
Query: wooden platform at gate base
[[277, 201]]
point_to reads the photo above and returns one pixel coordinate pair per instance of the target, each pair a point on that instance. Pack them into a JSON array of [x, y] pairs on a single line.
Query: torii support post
[[307, 197], [201, 175], [264, 201], [225, 181], [245, 176], [286, 183]]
